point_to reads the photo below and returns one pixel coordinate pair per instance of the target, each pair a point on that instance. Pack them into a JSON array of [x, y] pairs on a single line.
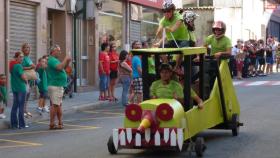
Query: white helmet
[[189, 16], [168, 5]]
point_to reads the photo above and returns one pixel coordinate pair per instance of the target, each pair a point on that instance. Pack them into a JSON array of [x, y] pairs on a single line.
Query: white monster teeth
[[166, 134], [180, 138], [129, 135], [116, 138], [173, 138], [122, 138], [138, 139], [148, 135], [157, 139]]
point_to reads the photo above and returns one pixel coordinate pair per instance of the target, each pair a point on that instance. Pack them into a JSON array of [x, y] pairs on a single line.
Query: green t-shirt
[[167, 91], [26, 62], [151, 65], [192, 36], [220, 45], [17, 83], [3, 94], [181, 33], [43, 84], [55, 77]]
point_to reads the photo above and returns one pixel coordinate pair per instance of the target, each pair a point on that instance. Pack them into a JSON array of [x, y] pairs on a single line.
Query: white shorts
[[56, 94]]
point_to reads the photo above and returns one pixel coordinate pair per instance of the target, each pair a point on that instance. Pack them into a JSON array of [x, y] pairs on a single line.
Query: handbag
[[30, 74]]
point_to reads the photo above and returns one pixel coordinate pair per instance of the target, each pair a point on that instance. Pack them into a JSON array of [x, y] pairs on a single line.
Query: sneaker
[[2, 116], [40, 110], [46, 109]]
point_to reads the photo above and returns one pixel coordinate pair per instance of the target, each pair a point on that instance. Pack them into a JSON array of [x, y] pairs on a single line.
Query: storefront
[[144, 19]]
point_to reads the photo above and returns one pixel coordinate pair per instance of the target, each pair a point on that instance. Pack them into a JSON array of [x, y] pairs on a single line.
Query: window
[[149, 24], [197, 3], [110, 23]]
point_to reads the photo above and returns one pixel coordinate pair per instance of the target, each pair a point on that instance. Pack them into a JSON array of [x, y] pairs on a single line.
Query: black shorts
[[261, 61], [43, 94], [252, 61], [113, 74]]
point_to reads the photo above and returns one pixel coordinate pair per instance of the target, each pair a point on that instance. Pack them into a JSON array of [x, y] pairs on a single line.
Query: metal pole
[[75, 53], [7, 43]]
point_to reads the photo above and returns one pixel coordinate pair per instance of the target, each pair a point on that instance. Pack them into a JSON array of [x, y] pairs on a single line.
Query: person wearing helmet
[[189, 17], [220, 44], [173, 24]]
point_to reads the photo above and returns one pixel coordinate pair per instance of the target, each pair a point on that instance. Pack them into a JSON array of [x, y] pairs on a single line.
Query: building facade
[[122, 21], [37, 22], [245, 19], [43, 23]]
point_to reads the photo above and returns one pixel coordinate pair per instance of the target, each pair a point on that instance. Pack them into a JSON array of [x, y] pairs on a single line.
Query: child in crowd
[[42, 85], [104, 71], [3, 95]]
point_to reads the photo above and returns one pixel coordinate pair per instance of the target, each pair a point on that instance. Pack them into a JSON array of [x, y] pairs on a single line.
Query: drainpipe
[[7, 47], [75, 53]]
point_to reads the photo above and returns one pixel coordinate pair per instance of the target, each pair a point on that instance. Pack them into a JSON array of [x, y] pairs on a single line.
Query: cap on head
[[165, 66]]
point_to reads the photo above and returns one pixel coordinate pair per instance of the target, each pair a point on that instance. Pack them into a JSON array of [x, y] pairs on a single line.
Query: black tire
[[235, 123], [111, 146], [199, 146]]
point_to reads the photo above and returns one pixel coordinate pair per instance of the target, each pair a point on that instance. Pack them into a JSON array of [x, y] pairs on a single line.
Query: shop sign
[[149, 3]]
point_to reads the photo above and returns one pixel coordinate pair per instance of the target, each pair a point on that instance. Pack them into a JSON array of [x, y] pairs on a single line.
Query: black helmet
[[167, 6]]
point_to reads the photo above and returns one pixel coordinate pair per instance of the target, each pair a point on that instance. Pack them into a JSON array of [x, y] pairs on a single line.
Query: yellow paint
[[22, 144]]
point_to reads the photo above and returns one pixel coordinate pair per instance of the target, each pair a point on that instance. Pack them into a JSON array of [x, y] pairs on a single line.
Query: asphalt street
[[86, 132]]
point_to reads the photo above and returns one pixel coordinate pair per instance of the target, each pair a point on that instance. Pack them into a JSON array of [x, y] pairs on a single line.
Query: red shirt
[[114, 56], [105, 60]]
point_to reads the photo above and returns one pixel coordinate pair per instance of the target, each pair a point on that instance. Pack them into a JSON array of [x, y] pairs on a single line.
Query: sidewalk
[[78, 102]]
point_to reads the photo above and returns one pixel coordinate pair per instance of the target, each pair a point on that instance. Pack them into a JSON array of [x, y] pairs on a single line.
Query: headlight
[[164, 112], [133, 112]]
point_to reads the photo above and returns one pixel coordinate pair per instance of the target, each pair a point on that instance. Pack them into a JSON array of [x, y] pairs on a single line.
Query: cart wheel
[[111, 146], [199, 146], [235, 122]]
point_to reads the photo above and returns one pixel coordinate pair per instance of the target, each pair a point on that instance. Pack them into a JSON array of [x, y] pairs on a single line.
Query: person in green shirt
[[27, 65], [170, 89], [57, 80], [219, 43], [173, 27], [3, 95], [18, 84], [172, 23], [42, 85]]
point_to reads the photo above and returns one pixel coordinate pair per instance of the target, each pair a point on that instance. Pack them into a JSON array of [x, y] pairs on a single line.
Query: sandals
[[60, 126], [54, 127], [101, 98], [113, 99], [27, 115]]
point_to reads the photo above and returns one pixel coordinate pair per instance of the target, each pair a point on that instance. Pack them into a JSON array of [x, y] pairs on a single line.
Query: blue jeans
[[125, 81], [104, 82], [17, 112]]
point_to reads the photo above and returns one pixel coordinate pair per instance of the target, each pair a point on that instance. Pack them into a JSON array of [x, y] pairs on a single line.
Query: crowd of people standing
[[254, 58], [48, 75]]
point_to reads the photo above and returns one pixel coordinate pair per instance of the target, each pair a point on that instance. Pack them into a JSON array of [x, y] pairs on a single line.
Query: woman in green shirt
[[18, 84]]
